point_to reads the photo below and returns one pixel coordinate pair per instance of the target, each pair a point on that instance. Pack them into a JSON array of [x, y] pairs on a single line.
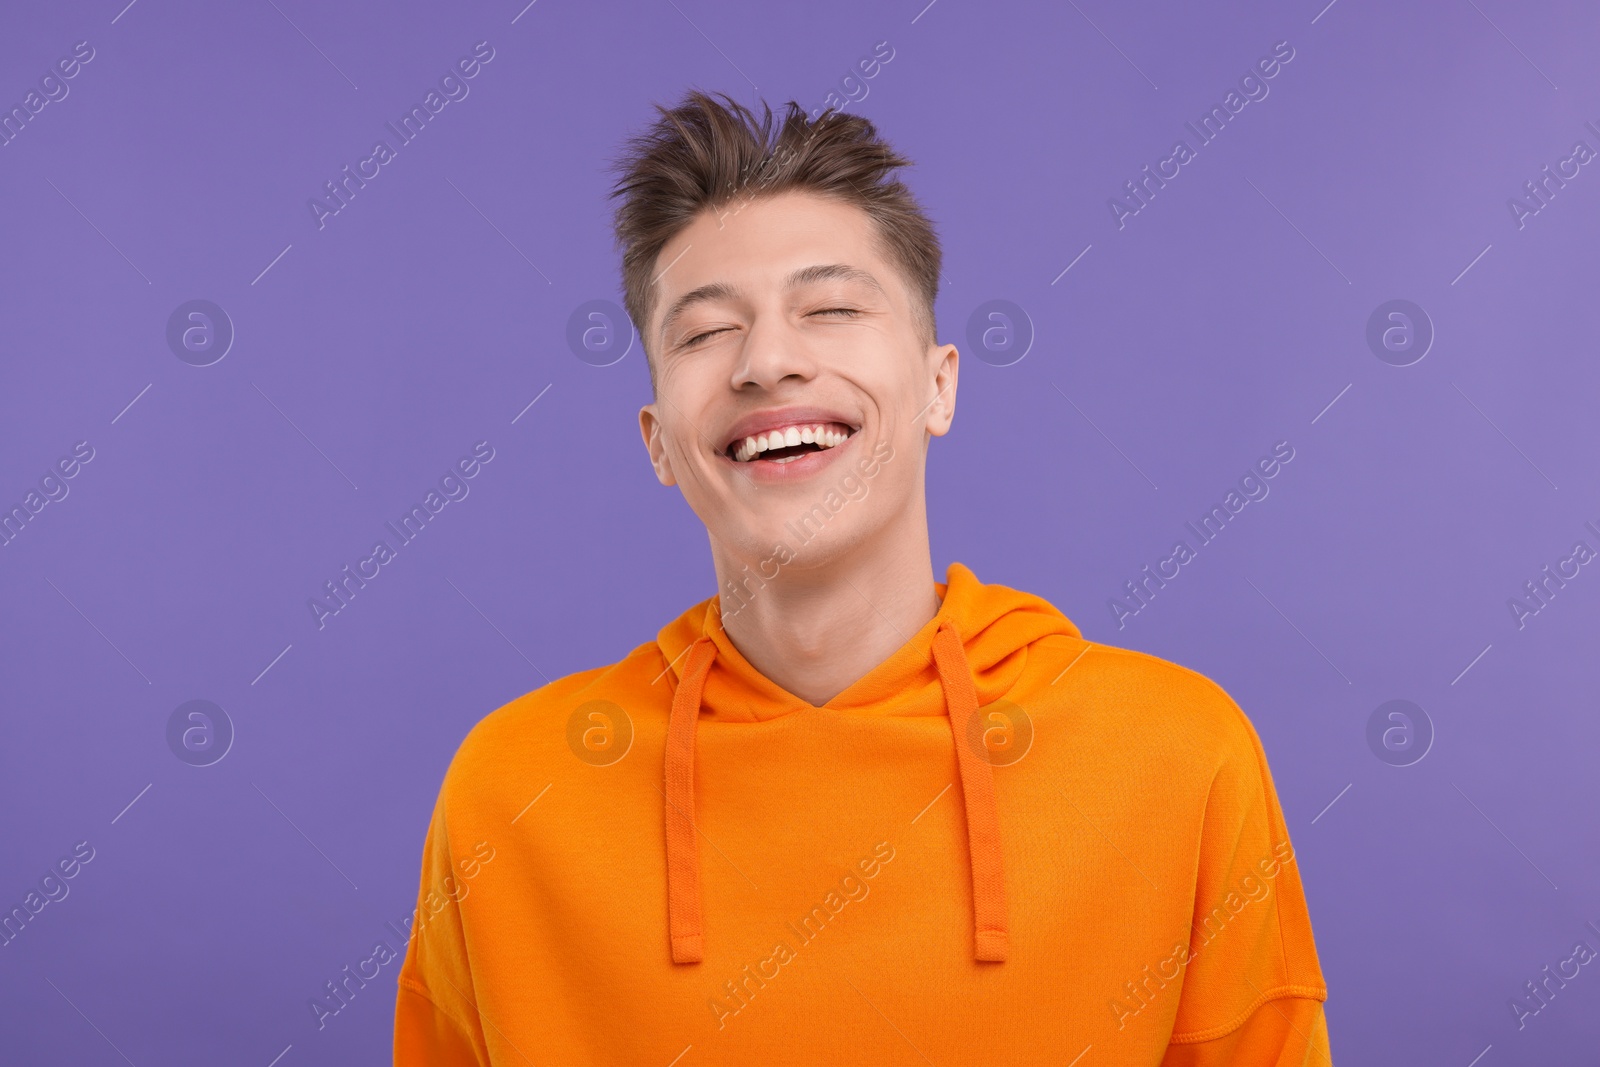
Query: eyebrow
[[803, 276]]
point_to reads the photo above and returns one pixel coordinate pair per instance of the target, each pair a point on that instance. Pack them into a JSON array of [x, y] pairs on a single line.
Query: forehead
[[750, 247]]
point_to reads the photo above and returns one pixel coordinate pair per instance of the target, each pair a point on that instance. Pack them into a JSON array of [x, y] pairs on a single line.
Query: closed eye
[[700, 337], [697, 338]]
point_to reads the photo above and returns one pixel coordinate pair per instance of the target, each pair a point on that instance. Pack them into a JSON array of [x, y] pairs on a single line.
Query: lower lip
[[803, 466]]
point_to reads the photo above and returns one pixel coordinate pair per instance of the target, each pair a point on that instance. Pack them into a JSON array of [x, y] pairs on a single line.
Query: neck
[[816, 631]]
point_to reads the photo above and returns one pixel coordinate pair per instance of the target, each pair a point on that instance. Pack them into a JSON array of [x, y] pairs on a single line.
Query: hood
[[968, 655]]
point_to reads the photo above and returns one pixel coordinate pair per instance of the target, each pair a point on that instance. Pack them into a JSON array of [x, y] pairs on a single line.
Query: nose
[[773, 351]]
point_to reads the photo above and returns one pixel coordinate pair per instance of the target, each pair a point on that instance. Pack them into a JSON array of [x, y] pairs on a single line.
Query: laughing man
[[842, 812]]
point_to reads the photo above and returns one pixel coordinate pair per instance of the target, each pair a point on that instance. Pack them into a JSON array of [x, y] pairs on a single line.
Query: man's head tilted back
[[783, 285], [806, 718]]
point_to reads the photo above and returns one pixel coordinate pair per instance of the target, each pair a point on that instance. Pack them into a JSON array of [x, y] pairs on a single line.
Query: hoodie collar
[[997, 624]]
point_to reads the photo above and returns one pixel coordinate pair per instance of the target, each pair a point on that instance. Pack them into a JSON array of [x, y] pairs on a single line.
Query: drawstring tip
[[990, 946], [687, 949]]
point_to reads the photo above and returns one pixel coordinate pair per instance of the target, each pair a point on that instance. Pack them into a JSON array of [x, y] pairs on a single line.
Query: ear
[[942, 409], [655, 444]]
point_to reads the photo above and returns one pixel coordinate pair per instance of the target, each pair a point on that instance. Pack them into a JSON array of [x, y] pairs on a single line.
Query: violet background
[[427, 315]]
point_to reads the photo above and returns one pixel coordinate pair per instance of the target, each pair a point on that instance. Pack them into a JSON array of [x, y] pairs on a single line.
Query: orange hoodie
[[1003, 845]]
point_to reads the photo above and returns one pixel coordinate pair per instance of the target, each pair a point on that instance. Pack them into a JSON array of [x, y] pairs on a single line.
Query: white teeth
[[787, 437]]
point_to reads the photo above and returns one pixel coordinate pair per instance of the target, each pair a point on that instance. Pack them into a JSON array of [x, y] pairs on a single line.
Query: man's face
[[779, 316]]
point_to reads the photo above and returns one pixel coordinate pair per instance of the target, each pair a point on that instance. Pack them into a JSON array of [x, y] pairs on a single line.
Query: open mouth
[[788, 443]]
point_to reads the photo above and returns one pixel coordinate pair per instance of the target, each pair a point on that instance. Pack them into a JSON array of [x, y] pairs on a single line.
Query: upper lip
[[777, 418]]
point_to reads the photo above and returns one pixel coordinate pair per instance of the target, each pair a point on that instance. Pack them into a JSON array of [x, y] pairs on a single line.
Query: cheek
[[682, 401]]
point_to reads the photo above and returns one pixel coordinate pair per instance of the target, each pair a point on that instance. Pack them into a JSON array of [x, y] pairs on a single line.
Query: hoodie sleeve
[[436, 1021], [1253, 988]]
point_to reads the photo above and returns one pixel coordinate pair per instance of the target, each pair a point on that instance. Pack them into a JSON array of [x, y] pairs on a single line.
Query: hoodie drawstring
[[683, 843], [977, 790]]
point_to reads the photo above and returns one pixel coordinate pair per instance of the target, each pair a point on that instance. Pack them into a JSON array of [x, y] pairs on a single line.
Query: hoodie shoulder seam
[[1177, 668], [1317, 993], [558, 689], [1246, 742], [1158, 661]]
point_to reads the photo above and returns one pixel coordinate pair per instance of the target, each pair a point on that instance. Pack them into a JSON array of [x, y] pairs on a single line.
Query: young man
[[842, 812]]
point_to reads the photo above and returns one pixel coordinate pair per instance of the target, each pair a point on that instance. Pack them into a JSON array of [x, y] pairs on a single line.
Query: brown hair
[[703, 155]]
